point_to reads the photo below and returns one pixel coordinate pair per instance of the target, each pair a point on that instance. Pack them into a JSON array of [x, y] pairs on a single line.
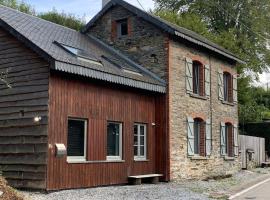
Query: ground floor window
[[199, 137], [114, 141], [76, 141], [228, 139], [140, 141]]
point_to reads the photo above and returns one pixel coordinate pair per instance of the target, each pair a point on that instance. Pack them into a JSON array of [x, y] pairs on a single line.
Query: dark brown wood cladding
[[98, 104], [23, 143]]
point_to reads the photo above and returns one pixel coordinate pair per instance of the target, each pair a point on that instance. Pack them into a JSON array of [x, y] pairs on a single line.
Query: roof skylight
[[80, 54]]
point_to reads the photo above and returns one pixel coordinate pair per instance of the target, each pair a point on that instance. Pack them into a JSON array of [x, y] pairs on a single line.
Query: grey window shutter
[[208, 139], [222, 138], [235, 88], [220, 85], [190, 132], [235, 140], [207, 80], [189, 75]]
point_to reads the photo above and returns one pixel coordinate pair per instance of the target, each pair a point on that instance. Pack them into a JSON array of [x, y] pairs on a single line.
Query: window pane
[[141, 150], [135, 129], [196, 136], [141, 130], [135, 139], [124, 28], [113, 139], [142, 140], [135, 151], [196, 78], [75, 143]]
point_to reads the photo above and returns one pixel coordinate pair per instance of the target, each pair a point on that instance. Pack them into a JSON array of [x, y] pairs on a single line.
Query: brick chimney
[[104, 2]]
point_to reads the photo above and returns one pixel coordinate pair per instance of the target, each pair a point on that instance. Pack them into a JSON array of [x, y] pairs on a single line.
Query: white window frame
[[79, 158], [144, 157], [117, 158]]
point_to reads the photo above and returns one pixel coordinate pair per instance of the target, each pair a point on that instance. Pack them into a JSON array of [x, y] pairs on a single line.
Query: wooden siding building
[[56, 77]]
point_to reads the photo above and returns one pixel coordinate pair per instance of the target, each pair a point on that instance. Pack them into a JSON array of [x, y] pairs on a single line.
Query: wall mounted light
[[153, 124], [37, 119]]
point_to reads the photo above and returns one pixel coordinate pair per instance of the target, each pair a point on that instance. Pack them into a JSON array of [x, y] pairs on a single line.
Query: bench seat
[[137, 179]]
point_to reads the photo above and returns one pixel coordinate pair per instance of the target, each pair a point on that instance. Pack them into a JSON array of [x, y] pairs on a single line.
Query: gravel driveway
[[170, 191]]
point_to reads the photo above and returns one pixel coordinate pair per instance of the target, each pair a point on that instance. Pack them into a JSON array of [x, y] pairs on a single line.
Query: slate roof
[[43, 37], [167, 27]]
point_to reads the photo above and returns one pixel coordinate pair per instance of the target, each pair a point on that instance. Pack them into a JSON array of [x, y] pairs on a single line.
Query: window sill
[[141, 160], [97, 161], [227, 158], [199, 158], [228, 103], [198, 96]]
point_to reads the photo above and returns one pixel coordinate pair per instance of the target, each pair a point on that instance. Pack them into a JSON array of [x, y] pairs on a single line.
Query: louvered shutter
[[222, 139], [235, 88], [208, 139], [190, 132], [220, 85], [189, 75], [235, 140], [207, 80]]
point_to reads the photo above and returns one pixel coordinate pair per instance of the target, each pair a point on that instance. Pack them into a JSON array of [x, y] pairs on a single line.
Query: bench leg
[[137, 181], [155, 180]]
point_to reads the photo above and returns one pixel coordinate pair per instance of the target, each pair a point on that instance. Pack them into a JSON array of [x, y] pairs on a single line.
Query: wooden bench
[[137, 180], [265, 164]]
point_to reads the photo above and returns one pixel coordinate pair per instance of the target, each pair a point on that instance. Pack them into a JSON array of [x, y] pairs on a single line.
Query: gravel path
[[170, 191]]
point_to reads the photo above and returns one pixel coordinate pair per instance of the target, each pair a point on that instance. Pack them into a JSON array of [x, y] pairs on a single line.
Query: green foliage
[[20, 6], [64, 19]]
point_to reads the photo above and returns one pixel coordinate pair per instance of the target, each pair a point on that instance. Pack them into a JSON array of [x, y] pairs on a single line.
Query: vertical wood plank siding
[[23, 143], [98, 104]]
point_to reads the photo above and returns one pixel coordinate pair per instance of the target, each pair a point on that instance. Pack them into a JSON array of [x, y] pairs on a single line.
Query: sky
[[88, 8], [81, 8]]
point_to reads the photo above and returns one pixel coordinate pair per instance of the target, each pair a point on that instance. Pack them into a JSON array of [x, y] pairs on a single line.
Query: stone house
[[131, 94], [201, 81]]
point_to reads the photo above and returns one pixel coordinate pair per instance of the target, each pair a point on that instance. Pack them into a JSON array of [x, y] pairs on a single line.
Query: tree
[[64, 19]]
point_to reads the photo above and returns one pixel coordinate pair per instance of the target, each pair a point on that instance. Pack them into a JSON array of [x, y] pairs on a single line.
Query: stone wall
[[183, 105], [145, 44]]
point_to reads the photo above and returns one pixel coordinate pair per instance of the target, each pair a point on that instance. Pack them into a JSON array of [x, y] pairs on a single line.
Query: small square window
[[76, 142], [114, 141], [122, 27]]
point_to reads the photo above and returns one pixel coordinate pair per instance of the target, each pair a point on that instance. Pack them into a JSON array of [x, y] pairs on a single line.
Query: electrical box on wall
[[61, 150]]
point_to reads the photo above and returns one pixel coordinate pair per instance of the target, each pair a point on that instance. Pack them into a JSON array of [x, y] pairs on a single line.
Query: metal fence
[[252, 151]]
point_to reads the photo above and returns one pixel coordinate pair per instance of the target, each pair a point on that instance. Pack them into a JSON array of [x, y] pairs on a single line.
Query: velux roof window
[[80, 54]]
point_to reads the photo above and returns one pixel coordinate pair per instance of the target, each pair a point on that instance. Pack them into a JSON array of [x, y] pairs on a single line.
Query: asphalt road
[[261, 192]]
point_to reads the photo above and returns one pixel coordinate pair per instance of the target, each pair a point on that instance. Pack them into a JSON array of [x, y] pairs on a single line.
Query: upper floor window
[[198, 82], [122, 28], [199, 137], [197, 78], [229, 139], [76, 141], [227, 87], [114, 141]]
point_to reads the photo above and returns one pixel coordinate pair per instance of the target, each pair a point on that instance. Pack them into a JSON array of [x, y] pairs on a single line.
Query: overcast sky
[[88, 8]]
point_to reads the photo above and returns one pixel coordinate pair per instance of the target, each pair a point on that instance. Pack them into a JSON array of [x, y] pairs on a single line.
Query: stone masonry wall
[[183, 105], [145, 44]]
